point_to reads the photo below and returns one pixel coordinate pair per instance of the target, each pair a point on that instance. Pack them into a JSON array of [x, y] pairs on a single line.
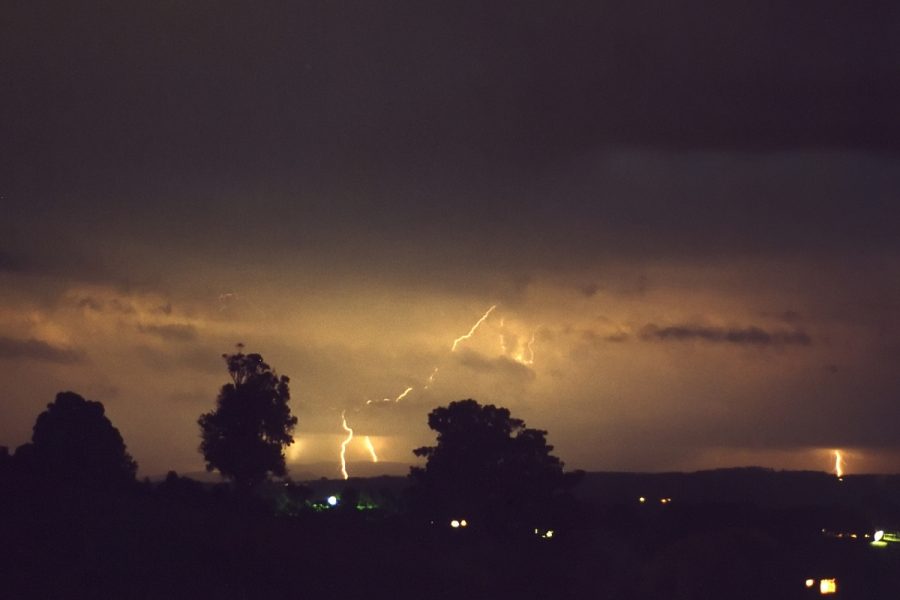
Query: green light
[[879, 544]]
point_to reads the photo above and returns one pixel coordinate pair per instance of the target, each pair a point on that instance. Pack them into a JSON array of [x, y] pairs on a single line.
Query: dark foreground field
[[183, 540]]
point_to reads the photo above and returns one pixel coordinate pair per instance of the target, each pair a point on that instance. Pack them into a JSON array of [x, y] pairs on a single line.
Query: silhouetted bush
[[74, 443], [489, 469]]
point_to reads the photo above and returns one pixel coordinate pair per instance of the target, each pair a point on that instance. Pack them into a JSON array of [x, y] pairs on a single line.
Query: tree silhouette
[[74, 442], [487, 466], [245, 436]]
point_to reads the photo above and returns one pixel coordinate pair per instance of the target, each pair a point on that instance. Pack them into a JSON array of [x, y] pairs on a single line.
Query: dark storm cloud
[[9, 263], [171, 333], [11, 349], [504, 136], [324, 87], [753, 336]]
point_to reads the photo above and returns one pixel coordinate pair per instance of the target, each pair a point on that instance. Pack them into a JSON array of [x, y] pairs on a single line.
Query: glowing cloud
[[344, 446], [477, 324], [526, 356]]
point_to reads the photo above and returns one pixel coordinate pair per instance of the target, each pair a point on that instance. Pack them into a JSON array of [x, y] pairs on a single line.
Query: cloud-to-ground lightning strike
[[838, 464], [371, 449], [477, 324], [344, 446]]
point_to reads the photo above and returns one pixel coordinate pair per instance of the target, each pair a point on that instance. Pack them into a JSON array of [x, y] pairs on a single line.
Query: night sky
[[686, 215]]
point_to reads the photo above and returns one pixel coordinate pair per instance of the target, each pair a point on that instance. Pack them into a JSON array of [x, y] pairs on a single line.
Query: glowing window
[[827, 586]]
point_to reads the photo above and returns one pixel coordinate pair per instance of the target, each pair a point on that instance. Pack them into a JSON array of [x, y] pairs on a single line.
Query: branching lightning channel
[[344, 445], [371, 449], [475, 327]]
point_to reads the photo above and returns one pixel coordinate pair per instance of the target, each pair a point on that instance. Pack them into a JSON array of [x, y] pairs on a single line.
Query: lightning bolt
[[403, 395], [529, 348], [371, 449], [409, 389], [838, 464], [344, 446], [477, 324], [431, 378]]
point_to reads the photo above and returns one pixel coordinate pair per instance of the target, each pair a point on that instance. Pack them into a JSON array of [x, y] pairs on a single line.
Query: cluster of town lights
[[643, 500], [882, 538], [826, 586], [457, 523]]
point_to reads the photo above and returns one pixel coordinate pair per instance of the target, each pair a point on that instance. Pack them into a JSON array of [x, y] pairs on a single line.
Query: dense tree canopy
[[74, 442], [245, 435], [487, 465]]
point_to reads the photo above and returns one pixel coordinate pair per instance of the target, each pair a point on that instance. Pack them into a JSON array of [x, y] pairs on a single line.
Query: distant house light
[[827, 586], [332, 500], [454, 524], [642, 499], [810, 583]]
